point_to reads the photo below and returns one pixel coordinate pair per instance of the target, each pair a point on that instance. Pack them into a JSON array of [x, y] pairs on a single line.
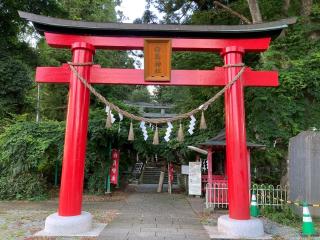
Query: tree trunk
[[243, 18], [286, 6], [161, 179], [255, 11], [306, 6]]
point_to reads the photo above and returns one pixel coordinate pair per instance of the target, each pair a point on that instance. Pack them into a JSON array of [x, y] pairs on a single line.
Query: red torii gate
[[78, 106], [232, 46]]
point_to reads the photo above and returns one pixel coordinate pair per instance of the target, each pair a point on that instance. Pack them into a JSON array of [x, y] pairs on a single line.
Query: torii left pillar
[[70, 218]]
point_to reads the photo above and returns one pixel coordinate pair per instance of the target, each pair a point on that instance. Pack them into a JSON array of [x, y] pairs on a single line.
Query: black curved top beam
[[57, 25]]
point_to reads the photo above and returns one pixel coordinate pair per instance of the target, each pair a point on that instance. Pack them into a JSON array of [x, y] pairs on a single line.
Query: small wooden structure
[[216, 159]]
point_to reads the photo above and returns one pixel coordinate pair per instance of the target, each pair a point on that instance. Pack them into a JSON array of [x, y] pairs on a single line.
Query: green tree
[[15, 80], [54, 97], [273, 114], [13, 29], [140, 94], [17, 57]]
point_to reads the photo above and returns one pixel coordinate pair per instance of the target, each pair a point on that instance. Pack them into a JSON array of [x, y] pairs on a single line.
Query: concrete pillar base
[[251, 228], [56, 225]]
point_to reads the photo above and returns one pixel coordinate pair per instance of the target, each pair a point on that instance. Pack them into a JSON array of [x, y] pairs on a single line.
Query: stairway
[[151, 176]]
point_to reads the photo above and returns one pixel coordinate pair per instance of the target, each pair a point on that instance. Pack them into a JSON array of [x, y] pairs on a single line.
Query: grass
[[285, 216], [317, 224], [3, 227]]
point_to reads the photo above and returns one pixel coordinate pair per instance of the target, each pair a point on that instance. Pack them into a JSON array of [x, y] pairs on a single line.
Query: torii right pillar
[[238, 223]]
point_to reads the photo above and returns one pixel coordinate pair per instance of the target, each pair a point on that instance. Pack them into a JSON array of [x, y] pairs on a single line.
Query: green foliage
[[10, 23], [15, 80], [285, 215], [30, 150], [13, 29], [34, 149], [205, 12], [96, 181], [54, 97], [273, 115], [140, 94], [98, 10], [30, 147], [27, 185], [27, 155], [100, 141], [277, 114]]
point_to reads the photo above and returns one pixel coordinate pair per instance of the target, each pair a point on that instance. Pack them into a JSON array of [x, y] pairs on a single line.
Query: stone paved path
[[155, 216]]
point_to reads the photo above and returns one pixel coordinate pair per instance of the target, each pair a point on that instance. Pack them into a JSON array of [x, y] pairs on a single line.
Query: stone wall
[[304, 169]]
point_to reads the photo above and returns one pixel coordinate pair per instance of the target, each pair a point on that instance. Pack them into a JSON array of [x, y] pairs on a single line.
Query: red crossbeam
[[214, 77], [178, 44]]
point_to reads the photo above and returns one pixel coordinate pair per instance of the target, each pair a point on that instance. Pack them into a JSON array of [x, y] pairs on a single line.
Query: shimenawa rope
[[114, 107]]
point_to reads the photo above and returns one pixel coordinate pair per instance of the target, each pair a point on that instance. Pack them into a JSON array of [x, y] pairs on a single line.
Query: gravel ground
[[21, 219], [278, 231]]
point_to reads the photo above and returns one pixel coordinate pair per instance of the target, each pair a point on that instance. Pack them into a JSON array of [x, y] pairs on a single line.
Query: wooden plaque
[[157, 60]]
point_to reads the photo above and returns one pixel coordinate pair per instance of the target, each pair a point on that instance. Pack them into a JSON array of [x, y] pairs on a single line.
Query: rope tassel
[[131, 133], [203, 124], [180, 134], [109, 121], [156, 137]]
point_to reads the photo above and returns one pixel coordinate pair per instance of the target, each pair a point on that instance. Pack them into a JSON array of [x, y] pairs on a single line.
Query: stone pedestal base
[[56, 225], [251, 228]]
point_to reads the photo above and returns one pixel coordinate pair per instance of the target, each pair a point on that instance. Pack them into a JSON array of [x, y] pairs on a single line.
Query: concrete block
[[56, 225], [251, 228]]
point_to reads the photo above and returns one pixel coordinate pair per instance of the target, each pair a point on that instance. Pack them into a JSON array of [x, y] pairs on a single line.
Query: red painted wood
[[249, 170], [209, 165], [178, 44], [179, 77], [53, 74], [204, 178], [260, 78], [70, 202], [236, 145]]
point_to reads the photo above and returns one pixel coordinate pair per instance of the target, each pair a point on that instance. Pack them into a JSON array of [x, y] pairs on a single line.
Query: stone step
[[151, 175]]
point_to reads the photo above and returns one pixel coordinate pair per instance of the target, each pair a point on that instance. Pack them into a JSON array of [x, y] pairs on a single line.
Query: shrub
[[284, 216], [28, 151], [24, 186]]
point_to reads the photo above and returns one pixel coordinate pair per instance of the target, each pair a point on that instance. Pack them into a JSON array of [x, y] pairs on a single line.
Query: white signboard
[[185, 169], [194, 178]]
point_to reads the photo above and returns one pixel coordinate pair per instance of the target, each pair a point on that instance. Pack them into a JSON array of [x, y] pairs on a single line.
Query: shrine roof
[[220, 141], [56, 25]]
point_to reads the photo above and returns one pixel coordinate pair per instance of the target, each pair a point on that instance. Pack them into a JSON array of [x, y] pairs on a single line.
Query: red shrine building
[[214, 167], [84, 38]]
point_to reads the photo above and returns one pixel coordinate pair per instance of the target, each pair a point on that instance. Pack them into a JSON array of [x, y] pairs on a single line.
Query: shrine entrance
[[83, 38]]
